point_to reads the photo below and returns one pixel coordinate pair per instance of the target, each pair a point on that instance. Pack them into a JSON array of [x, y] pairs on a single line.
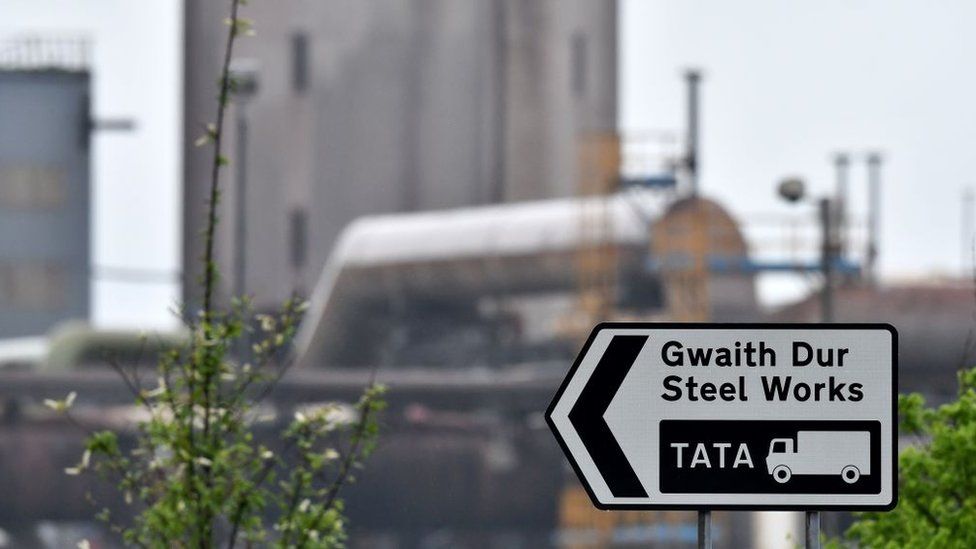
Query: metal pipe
[[813, 529], [240, 227], [704, 530], [693, 78], [874, 216], [497, 186], [967, 258], [826, 261]]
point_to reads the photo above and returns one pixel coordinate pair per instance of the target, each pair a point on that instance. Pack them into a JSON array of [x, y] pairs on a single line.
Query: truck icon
[[844, 453]]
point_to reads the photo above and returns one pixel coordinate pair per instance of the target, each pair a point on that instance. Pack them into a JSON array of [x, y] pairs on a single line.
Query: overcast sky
[[789, 83], [136, 69], [786, 85]]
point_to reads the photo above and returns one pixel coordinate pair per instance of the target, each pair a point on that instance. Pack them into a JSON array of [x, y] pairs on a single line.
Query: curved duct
[[454, 258]]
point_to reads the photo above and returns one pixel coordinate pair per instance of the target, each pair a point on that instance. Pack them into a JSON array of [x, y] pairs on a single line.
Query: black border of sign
[[734, 326]]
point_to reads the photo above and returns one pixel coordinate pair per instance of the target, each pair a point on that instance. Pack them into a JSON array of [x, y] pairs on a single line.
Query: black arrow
[[587, 416]]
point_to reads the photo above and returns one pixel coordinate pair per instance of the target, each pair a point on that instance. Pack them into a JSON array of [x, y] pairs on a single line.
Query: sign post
[[812, 529], [709, 417], [704, 530]]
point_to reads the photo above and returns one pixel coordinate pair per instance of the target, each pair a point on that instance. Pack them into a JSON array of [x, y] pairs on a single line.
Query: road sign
[[733, 416]]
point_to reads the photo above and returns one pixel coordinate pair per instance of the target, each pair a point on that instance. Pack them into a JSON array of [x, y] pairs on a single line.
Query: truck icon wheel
[[850, 474], [782, 474]]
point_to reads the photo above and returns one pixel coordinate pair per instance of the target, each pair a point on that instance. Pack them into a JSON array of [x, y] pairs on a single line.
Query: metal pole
[[704, 530], [813, 529], [826, 262], [693, 78], [842, 163], [240, 227], [874, 215], [968, 228], [827, 312]]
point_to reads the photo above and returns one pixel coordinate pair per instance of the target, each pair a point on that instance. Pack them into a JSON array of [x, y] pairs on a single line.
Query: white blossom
[[61, 405]]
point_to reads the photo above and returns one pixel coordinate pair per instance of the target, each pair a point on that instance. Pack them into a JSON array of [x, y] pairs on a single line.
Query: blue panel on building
[[44, 199]]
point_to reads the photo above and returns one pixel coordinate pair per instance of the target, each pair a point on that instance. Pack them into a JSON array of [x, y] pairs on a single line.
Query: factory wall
[[391, 106]]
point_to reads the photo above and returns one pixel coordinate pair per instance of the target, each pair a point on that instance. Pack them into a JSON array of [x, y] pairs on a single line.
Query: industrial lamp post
[[793, 190]]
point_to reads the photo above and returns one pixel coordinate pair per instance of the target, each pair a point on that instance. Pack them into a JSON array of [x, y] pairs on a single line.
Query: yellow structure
[[599, 170], [692, 233]]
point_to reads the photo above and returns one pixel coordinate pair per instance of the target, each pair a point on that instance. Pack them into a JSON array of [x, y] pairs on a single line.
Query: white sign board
[[733, 416]]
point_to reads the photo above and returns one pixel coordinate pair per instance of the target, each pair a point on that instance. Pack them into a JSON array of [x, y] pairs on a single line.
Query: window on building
[[32, 285], [299, 62], [298, 237], [26, 187], [579, 67]]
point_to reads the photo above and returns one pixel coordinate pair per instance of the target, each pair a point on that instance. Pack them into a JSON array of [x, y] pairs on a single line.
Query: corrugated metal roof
[[936, 326], [910, 304]]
